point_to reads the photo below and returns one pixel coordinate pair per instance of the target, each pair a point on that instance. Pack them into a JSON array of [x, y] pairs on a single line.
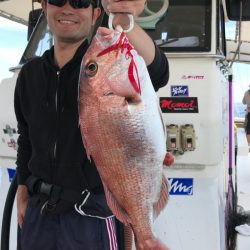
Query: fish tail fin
[[163, 198]]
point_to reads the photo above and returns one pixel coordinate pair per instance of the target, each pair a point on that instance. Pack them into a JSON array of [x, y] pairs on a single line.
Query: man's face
[[70, 25]]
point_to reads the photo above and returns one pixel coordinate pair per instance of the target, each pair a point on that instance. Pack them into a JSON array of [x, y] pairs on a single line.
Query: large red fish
[[123, 132]]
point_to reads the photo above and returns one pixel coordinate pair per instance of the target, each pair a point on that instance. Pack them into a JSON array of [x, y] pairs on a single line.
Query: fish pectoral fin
[[117, 210], [163, 198]]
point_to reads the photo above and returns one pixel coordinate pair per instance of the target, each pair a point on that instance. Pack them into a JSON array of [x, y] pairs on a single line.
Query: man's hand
[[133, 7], [136, 36], [169, 160], [22, 198]]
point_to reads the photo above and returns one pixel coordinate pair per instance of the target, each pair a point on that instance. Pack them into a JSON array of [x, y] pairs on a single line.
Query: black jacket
[[50, 145]]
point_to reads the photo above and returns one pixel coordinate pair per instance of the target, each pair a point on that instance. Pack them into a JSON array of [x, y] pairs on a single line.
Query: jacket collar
[[48, 56]]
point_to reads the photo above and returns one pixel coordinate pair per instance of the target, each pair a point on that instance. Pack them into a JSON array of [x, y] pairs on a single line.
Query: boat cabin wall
[[195, 101]]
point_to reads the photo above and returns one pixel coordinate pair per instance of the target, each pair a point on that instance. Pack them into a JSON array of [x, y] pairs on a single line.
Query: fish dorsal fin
[[163, 198], [117, 210]]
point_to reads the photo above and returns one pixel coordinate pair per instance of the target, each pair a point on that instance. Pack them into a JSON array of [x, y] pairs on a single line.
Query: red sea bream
[[123, 132]]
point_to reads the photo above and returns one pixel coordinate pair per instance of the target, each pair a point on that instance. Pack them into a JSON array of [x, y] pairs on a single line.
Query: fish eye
[[91, 68]]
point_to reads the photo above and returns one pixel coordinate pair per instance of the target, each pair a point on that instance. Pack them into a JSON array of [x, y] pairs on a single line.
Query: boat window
[[185, 26], [221, 40], [40, 40]]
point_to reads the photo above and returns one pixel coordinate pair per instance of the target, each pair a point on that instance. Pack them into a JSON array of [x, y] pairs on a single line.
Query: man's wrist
[[22, 193]]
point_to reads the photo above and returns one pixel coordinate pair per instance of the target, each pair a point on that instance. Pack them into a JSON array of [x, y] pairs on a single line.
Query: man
[[246, 100], [52, 168]]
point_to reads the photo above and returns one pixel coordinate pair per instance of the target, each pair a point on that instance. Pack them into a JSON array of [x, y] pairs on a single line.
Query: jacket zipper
[[57, 121]]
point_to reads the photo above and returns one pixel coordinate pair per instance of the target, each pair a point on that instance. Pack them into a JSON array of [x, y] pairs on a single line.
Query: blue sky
[[13, 39]]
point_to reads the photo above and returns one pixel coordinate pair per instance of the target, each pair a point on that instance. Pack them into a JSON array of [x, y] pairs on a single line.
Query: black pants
[[68, 231], [247, 123]]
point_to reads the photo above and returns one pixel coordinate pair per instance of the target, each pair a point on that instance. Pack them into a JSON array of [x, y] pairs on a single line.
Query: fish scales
[[122, 131]]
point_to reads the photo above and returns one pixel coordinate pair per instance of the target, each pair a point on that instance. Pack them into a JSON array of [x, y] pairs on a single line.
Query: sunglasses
[[76, 4]]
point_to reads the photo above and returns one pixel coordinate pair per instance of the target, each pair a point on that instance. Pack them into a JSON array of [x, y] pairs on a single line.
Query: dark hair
[[96, 3]]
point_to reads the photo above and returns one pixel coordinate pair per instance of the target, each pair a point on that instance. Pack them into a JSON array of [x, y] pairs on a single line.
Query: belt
[[86, 203], [54, 192], [37, 186]]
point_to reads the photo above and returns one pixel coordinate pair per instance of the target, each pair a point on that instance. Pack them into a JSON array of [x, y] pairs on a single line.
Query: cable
[[5, 235]]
